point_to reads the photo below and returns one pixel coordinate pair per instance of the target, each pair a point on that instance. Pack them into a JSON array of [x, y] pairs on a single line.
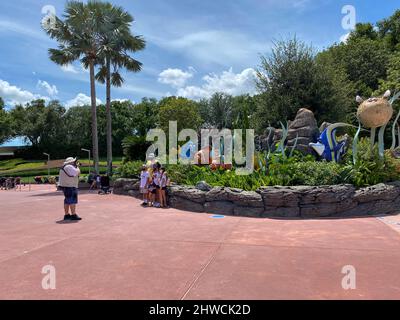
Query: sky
[[194, 48]]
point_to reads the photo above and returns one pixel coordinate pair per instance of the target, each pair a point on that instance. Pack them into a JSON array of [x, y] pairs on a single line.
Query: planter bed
[[280, 202]]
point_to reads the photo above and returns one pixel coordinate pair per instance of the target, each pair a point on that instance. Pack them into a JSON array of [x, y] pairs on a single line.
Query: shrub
[[370, 168]]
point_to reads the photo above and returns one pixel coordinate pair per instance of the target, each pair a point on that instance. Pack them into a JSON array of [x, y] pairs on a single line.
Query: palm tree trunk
[[109, 120], [95, 139]]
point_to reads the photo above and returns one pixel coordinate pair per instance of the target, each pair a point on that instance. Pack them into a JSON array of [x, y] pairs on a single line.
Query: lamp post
[[48, 165], [90, 166]]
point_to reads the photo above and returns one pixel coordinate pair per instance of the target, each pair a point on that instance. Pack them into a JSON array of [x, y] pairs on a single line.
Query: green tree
[[363, 60], [79, 39], [5, 123], [78, 128], [29, 121], [389, 30], [244, 108], [43, 126], [290, 79], [364, 30], [145, 116], [117, 42], [182, 110]]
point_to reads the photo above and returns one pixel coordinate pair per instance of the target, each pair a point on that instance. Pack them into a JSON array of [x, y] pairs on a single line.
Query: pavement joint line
[[221, 243], [387, 225], [212, 258]]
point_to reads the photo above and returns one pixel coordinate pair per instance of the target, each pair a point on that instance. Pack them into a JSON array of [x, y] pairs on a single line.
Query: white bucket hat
[[69, 160]]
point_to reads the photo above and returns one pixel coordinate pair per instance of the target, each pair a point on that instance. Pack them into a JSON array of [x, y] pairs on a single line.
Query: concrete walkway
[[123, 251]]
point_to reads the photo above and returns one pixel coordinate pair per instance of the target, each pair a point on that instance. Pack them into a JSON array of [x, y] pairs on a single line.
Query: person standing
[[69, 181], [144, 185]]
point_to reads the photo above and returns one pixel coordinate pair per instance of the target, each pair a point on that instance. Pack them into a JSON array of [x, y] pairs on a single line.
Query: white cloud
[[51, 90], [215, 46], [69, 68], [22, 29], [121, 100], [14, 95], [227, 82], [80, 100], [177, 78]]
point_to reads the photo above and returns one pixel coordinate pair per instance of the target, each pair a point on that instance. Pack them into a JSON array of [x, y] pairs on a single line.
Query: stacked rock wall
[[284, 202]]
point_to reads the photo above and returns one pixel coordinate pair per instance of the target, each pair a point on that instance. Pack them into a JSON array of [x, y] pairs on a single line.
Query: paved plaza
[[123, 251]]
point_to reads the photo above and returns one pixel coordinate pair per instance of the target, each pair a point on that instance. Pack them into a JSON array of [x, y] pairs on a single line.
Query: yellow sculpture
[[375, 112]]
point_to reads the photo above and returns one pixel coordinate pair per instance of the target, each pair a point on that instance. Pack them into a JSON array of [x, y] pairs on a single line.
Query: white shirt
[[69, 177], [164, 181], [156, 178], [143, 179]]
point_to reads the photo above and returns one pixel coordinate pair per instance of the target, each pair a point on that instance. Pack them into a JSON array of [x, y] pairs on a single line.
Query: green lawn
[[32, 168]]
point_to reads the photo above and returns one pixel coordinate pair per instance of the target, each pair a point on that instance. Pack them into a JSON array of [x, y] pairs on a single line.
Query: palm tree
[[117, 42], [78, 38]]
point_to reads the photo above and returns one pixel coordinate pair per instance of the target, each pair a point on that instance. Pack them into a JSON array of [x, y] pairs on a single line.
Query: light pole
[[48, 165], [90, 167]]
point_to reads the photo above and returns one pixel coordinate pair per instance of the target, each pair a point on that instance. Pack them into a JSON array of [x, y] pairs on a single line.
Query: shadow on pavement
[[66, 222]]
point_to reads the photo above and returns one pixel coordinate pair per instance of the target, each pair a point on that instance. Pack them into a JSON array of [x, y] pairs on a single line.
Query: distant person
[[105, 184], [164, 182], [38, 180], [2, 183], [144, 184], [156, 182], [69, 181]]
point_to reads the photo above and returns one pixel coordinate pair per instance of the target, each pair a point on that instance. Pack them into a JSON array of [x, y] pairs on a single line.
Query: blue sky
[[194, 48]]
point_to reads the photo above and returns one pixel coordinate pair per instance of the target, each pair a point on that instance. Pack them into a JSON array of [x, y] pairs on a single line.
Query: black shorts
[[153, 191], [164, 188], [157, 187]]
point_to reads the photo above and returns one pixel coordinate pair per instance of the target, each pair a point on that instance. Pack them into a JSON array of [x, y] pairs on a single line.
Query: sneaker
[[67, 217], [75, 217], [144, 204]]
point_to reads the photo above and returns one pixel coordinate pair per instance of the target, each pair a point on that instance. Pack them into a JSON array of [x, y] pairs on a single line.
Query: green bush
[[370, 168], [277, 169]]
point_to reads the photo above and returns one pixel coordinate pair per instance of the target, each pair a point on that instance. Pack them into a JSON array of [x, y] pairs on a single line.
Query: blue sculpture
[[327, 146], [188, 151]]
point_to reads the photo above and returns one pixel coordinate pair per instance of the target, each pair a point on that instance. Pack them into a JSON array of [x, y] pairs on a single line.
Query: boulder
[[265, 141], [281, 212], [276, 197], [185, 204], [389, 191], [327, 194], [219, 207], [251, 212], [189, 193], [203, 186], [305, 129], [245, 198]]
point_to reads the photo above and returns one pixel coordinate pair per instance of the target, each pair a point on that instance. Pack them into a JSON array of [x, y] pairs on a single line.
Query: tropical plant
[[78, 37], [116, 42]]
